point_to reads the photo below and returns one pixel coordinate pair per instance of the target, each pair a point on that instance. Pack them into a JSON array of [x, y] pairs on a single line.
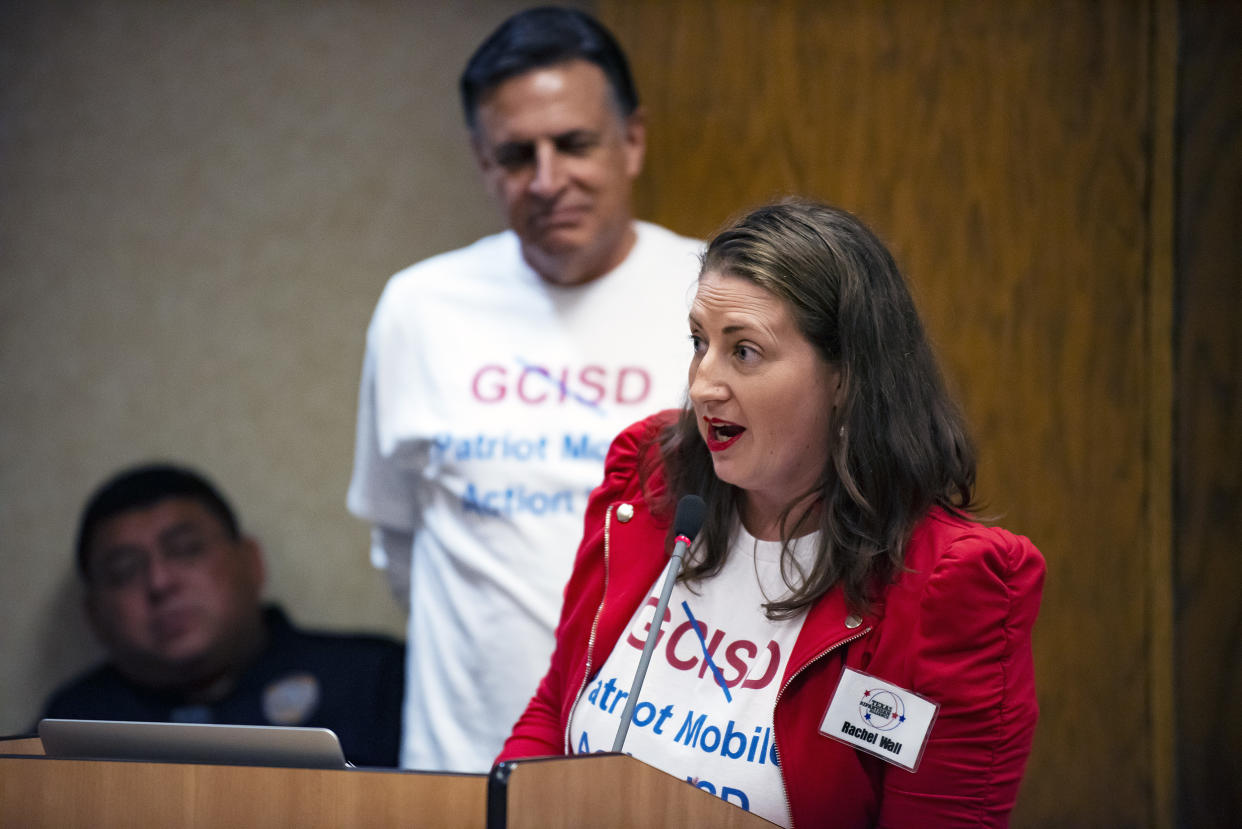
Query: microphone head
[[689, 517]]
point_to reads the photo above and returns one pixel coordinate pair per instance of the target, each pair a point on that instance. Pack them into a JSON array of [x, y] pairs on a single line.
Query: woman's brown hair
[[899, 444]]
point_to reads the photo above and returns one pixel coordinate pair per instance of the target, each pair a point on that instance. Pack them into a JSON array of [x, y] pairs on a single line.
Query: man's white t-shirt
[[705, 711], [488, 400]]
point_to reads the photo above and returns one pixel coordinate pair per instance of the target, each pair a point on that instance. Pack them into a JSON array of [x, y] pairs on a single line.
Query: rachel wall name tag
[[880, 718]]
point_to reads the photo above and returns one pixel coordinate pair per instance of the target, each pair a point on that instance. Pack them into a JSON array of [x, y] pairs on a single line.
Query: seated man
[[172, 589]]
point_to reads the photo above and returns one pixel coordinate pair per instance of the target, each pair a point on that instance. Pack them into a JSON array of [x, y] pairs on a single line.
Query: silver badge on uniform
[[291, 700]]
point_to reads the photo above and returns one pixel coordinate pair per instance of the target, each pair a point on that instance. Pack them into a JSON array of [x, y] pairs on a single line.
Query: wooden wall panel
[[1004, 150], [1209, 424]]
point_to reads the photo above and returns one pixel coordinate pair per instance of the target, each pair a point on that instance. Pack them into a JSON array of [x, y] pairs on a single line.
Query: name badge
[[880, 718]]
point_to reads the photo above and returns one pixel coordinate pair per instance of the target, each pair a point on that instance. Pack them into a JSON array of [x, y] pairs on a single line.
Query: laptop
[[223, 745]]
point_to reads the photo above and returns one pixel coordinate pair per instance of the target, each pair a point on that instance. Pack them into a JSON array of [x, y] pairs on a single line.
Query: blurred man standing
[[496, 376]]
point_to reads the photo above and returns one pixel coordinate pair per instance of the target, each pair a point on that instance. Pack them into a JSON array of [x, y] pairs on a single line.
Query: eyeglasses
[[126, 566]]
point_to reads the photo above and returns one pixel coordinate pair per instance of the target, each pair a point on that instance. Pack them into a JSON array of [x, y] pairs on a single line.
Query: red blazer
[[954, 628]]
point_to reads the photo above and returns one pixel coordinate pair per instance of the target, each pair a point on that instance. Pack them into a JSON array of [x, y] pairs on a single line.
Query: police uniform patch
[[291, 700]]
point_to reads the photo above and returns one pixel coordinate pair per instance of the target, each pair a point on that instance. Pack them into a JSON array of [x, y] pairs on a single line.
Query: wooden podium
[[602, 790]]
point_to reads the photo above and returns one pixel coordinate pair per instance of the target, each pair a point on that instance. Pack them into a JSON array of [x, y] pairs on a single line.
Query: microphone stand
[[674, 567]]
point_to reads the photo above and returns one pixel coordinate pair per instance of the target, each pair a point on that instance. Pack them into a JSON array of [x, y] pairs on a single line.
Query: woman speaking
[[846, 645]]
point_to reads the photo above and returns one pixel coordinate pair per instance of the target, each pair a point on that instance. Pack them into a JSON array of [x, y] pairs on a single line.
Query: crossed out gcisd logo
[[882, 709]]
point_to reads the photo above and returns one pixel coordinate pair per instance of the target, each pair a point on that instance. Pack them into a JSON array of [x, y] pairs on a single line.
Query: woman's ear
[[837, 387]]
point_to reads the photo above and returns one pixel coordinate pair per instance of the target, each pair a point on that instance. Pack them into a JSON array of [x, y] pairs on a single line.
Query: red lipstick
[[721, 434]]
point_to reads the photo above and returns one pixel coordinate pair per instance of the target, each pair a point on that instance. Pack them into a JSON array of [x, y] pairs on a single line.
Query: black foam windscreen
[[689, 517]]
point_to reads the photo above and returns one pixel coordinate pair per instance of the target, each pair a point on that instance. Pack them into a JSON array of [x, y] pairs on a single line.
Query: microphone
[[687, 522]]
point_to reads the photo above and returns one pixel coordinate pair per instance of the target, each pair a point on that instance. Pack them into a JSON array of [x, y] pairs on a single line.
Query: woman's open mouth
[[721, 434]]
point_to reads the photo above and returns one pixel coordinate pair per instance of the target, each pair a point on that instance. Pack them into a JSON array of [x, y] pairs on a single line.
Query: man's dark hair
[[540, 37], [145, 486]]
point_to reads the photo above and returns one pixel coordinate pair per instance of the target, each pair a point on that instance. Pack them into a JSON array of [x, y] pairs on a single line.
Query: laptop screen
[[226, 745]]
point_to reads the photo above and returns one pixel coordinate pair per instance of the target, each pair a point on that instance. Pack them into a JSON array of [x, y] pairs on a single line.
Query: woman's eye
[[745, 352], [696, 343]]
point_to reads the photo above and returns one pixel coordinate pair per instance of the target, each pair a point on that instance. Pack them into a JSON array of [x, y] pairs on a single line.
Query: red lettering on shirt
[[495, 392]]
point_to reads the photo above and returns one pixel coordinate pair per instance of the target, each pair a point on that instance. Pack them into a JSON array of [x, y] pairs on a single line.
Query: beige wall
[[199, 205]]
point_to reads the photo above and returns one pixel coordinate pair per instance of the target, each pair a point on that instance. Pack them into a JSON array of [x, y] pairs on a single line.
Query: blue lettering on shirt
[[516, 500], [471, 448], [580, 447]]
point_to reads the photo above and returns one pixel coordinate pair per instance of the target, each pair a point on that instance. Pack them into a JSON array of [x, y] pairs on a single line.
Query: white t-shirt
[[705, 711], [488, 400]]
